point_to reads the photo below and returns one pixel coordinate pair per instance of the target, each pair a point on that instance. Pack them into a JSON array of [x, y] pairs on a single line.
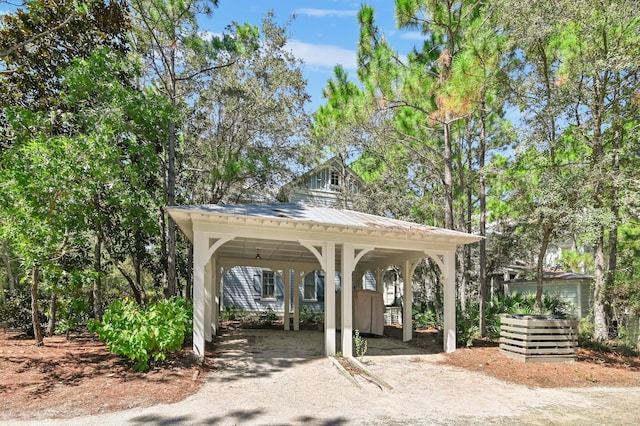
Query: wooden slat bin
[[538, 338]]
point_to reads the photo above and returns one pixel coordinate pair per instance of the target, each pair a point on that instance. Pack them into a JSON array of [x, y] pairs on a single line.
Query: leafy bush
[[361, 345], [232, 313], [16, 312], [307, 316], [467, 322], [586, 328], [72, 313], [424, 319], [523, 304], [269, 316], [144, 334]]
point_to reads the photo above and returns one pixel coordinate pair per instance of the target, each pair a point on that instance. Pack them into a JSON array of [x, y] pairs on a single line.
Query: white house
[[570, 287]]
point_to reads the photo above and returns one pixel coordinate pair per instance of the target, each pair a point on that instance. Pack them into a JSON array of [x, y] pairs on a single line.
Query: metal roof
[[326, 216], [275, 232]]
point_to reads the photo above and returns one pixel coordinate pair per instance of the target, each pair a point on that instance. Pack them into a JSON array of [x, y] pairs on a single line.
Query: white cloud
[[412, 35], [323, 13], [209, 35], [323, 55]]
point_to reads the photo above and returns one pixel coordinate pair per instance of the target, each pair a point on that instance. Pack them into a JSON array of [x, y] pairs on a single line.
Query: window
[[268, 285], [335, 178], [309, 290]]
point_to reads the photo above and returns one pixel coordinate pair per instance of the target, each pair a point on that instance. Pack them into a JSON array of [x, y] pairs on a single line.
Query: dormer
[[331, 184]]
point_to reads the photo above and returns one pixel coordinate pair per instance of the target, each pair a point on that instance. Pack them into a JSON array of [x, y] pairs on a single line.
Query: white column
[[208, 282], [296, 302], [286, 281], [215, 297], [379, 280], [329, 256], [407, 302], [449, 274], [347, 299], [200, 254]]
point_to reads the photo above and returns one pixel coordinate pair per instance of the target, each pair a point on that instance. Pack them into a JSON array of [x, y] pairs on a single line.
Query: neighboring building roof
[[523, 270]]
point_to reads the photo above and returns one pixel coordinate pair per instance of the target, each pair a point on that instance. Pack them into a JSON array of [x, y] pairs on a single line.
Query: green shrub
[[269, 316], [307, 316], [232, 313], [72, 312], [16, 313], [424, 319], [144, 334], [467, 324], [361, 345]]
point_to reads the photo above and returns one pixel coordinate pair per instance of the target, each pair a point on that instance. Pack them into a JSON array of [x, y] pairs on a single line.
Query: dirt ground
[[80, 377], [66, 379]]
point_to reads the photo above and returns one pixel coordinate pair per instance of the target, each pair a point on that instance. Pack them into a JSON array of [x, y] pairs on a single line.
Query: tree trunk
[[462, 279], [482, 278], [448, 177], [138, 293], [547, 229], [53, 310], [163, 246], [97, 284], [170, 289], [599, 294], [7, 264], [599, 311], [189, 284], [612, 266], [35, 313], [139, 281]]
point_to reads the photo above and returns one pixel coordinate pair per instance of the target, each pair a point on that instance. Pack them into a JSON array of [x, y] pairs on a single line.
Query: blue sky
[[323, 34]]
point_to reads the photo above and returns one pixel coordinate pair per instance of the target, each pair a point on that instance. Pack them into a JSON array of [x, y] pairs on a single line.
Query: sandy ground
[[271, 377]]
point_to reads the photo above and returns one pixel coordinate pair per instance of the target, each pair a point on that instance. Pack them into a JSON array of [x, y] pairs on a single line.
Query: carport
[[291, 238]]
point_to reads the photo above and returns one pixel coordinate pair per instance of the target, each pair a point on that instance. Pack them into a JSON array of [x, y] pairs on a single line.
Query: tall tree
[[248, 125], [38, 42], [584, 56], [40, 198], [445, 25], [176, 53], [601, 49], [542, 100], [44, 36], [125, 128]]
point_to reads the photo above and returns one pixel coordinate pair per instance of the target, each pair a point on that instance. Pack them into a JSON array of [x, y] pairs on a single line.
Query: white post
[[379, 281], [329, 256], [286, 281], [449, 274], [407, 302], [208, 282], [221, 271], [200, 253], [347, 299], [296, 302], [215, 299]]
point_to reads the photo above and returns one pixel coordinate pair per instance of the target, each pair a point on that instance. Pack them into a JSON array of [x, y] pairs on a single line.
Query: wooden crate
[[538, 338]]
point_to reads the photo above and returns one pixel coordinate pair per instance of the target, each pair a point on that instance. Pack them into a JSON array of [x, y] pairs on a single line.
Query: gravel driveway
[[271, 377]]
